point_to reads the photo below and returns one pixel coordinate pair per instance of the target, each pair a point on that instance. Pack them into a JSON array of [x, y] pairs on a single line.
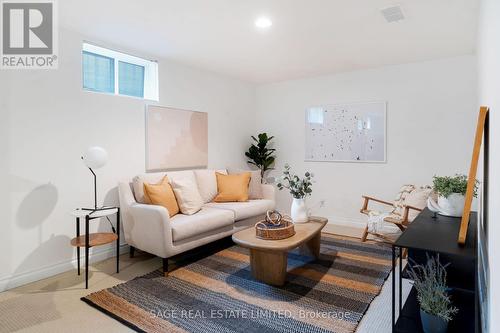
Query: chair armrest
[[414, 208], [151, 230], [268, 192], [364, 209]]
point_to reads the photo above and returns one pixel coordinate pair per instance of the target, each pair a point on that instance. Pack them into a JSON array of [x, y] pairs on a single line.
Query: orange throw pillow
[[162, 195], [232, 188]]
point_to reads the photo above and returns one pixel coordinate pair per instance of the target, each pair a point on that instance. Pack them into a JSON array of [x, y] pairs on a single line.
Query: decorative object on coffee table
[[436, 308], [451, 195], [299, 189], [89, 240], [268, 258], [260, 154], [275, 226]]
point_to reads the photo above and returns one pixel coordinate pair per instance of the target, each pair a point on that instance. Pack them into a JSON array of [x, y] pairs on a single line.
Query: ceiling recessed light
[[263, 22]]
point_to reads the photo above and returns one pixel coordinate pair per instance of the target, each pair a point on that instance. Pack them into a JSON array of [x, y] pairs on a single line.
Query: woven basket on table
[[274, 227]]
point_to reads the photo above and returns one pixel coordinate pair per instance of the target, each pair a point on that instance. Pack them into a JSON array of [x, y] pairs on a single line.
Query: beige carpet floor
[[54, 305]]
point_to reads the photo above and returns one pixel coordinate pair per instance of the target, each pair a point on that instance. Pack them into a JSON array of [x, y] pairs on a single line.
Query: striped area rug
[[218, 294]]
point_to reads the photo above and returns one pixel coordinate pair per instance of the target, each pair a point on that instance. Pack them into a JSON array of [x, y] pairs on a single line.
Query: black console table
[[438, 235]]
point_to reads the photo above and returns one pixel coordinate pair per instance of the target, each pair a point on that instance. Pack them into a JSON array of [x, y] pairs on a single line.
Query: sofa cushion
[[243, 210], [207, 219], [207, 183]]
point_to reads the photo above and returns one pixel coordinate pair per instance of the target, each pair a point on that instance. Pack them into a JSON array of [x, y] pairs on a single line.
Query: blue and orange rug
[[218, 293]]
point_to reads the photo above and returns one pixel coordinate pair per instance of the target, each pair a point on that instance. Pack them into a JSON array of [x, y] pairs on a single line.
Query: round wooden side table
[[89, 240]]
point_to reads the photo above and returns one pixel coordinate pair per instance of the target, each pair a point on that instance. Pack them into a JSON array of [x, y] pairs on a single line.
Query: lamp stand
[[95, 209]]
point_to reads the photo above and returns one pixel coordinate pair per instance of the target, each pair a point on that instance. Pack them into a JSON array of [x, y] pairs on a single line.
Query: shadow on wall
[[37, 206], [110, 199]]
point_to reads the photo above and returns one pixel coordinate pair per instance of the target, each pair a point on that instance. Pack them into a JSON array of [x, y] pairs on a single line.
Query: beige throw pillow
[[187, 195], [418, 199], [207, 183], [255, 186], [411, 195]]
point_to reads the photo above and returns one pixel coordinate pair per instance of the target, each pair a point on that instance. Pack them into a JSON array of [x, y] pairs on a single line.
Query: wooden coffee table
[[268, 258]]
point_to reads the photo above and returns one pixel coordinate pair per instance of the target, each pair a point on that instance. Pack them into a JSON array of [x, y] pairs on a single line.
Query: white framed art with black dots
[[354, 132]]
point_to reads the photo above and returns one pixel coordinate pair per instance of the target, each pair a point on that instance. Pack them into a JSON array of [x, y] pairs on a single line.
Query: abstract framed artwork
[[346, 133], [175, 139]]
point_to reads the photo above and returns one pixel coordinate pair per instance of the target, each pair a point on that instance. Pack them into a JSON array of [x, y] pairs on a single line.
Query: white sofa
[[150, 229]]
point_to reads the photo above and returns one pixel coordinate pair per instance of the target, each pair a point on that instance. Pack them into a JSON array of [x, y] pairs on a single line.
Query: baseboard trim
[[17, 280]]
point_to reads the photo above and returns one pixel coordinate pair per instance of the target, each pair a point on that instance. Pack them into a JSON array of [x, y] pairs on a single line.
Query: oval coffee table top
[[303, 232]]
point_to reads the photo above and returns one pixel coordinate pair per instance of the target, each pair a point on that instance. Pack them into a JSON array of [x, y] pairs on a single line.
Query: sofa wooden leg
[[365, 234], [165, 266], [132, 251]]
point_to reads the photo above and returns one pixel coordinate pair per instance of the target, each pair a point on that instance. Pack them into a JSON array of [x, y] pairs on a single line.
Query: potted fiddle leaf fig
[[451, 195], [436, 308], [260, 155]]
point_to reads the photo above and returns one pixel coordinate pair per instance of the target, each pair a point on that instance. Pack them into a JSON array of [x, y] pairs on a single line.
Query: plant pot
[[433, 324], [451, 206], [299, 211]]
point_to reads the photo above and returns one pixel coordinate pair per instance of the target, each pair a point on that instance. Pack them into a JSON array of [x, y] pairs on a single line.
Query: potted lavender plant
[[436, 308]]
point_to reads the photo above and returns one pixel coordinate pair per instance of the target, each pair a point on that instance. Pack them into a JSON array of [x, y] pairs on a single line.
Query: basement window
[[112, 72]]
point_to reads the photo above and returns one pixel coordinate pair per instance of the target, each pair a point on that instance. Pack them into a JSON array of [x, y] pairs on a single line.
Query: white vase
[[451, 206], [299, 211]]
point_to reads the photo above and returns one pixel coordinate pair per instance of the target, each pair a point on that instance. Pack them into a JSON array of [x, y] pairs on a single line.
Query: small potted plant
[[299, 189], [436, 308], [260, 154], [451, 195]]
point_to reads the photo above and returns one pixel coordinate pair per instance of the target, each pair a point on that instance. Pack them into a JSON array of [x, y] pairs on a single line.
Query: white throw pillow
[[418, 199], [187, 195], [207, 183]]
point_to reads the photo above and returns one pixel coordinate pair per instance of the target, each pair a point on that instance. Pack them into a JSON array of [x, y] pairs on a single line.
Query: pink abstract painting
[[175, 138]]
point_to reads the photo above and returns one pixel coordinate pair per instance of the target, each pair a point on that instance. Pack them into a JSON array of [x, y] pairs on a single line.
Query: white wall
[[47, 121], [431, 112], [489, 94]]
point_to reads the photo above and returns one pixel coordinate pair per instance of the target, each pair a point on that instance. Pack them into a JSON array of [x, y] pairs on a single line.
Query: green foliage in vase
[[432, 293], [299, 188], [260, 154], [446, 185]]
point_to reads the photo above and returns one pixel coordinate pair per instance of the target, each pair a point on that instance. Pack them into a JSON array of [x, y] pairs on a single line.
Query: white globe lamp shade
[[95, 157]]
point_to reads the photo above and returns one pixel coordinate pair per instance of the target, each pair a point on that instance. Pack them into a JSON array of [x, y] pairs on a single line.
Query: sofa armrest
[[151, 230], [269, 192]]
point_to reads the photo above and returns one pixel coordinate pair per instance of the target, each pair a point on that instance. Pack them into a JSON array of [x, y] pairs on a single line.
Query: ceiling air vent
[[393, 13]]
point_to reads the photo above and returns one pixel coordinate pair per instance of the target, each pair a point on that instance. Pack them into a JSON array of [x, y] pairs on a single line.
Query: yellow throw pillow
[[162, 194], [232, 188]]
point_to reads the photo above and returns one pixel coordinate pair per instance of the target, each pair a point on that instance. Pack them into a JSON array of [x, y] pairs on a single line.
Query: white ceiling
[[308, 37]]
